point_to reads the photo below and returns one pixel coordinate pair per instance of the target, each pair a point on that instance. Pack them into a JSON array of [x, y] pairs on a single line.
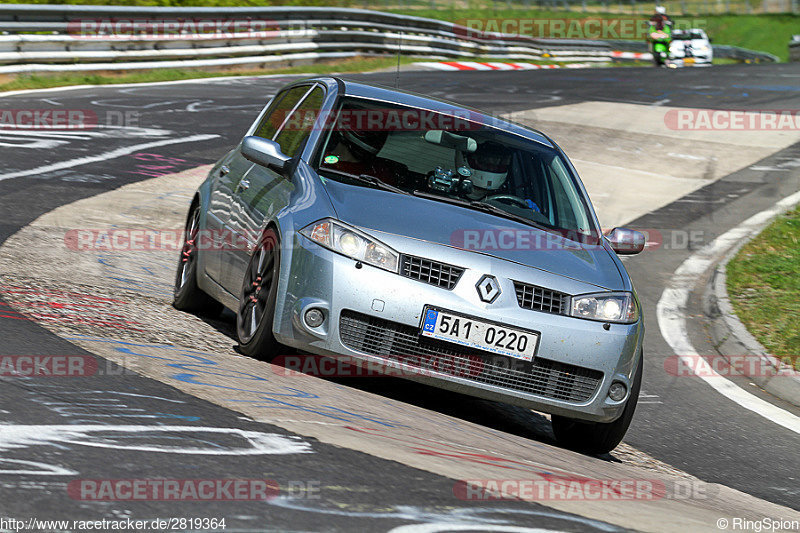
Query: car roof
[[388, 94]]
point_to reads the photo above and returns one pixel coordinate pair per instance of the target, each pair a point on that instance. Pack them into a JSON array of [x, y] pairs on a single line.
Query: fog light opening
[[617, 391], [314, 317]]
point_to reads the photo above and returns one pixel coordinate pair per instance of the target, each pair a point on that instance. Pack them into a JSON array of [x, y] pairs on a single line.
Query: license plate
[[466, 331]]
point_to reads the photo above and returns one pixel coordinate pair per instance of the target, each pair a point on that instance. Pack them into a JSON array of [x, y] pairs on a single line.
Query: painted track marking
[[671, 312], [113, 154]]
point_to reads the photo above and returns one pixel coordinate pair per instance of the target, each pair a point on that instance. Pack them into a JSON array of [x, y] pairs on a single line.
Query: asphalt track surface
[[687, 424]]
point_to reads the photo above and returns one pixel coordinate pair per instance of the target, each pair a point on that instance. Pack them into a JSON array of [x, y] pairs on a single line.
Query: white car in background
[[693, 46]]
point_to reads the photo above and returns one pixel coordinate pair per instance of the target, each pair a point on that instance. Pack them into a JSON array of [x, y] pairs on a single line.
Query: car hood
[[458, 227]]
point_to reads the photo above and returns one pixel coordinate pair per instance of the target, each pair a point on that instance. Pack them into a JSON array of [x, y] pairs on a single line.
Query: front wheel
[[597, 438], [257, 300]]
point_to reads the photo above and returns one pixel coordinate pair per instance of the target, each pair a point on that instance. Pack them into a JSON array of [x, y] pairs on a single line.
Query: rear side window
[[297, 127]]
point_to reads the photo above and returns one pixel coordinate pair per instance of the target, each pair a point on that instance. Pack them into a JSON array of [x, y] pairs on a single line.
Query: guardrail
[[81, 37], [794, 48]]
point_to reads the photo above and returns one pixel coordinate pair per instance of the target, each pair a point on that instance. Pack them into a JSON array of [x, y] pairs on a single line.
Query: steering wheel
[[508, 199]]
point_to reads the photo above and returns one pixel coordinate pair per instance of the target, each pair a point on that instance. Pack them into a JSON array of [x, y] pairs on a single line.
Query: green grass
[[41, 81], [764, 286], [765, 33]]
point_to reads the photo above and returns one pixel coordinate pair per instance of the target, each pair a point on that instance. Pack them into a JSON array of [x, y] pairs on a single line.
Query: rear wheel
[[257, 300], [657, 59], [598, 437], [187, 296]]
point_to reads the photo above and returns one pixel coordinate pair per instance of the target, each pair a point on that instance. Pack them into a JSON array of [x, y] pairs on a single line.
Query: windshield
[[688, 35], [452, 159]]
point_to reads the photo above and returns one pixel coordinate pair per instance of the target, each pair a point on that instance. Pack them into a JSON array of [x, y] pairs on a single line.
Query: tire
[[187, 296], [657, 59], [256, 310], [597, 438]]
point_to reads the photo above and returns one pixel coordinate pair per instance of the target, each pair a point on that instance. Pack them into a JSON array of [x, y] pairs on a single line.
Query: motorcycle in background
[[659, 41]]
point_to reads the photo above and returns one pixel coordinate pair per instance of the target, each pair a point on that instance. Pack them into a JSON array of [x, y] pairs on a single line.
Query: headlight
[[617, 307], [350, 242]]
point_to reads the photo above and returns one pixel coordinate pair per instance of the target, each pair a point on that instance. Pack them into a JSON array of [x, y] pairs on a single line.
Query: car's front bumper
[[696, 58], [372, 315]]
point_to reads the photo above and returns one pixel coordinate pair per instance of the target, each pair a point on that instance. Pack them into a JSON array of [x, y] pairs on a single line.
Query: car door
[[232, 169], [262, 192]]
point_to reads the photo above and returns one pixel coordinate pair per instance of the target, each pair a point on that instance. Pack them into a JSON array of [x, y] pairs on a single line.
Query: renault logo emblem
[[488, 288]]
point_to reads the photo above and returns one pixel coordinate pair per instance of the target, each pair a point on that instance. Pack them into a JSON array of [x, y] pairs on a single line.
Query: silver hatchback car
[[397, 230]]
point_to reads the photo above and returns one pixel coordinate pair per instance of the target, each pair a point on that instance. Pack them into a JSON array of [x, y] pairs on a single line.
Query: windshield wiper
[[369, 180], [481, 206], [503, 213]]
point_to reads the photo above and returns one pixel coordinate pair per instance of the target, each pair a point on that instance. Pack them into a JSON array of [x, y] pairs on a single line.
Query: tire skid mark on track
[[113, 154], [448, 520], [66, 306], [123, 437], [90, 405]]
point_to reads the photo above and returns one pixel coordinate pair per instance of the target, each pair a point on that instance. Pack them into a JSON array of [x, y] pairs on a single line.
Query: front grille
[[400, 343], [541, 299], [433, 272]]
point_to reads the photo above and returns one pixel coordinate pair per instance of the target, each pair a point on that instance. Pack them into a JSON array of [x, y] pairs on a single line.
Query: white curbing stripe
[[671, 312], [452, 66], [632, 55]]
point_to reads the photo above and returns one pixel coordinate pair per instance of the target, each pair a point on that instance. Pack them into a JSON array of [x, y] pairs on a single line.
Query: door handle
[[224, 169], [244, 184]]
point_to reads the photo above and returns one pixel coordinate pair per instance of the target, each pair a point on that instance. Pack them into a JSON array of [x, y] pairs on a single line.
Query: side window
[[279, 110], [298, 126]]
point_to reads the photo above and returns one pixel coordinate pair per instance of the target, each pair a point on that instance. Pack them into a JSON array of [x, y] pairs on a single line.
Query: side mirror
[[626, 241], [265, 153]]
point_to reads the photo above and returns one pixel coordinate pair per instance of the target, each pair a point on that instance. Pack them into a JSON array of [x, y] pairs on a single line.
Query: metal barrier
[[794, 48], [82, 37]]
